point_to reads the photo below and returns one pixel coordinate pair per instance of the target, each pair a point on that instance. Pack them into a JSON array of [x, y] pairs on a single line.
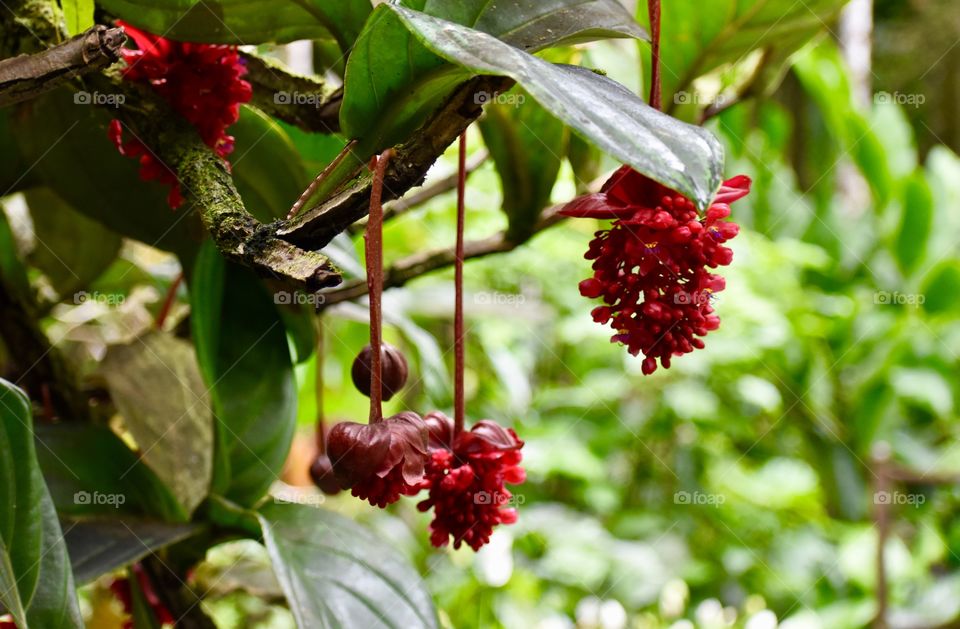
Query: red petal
[[733, 189]]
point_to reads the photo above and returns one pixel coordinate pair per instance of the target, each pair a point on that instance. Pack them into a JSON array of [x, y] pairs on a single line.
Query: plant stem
[[312, 188], [318, 385], [168, 301], [458, 332], [373, 239], [656, 97]]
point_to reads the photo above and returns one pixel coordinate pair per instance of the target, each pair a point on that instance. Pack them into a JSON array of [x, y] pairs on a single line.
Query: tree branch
[[425, 262], [300, 100], [316, 227], [27, 76], [208, 186]]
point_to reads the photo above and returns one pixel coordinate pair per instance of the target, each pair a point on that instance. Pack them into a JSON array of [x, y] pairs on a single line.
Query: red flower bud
[[321, 471], [394, 370]]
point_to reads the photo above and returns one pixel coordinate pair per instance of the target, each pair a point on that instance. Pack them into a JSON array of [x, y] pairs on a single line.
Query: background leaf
[[36, 585], [334, 573], [78, 14], [157, 387]]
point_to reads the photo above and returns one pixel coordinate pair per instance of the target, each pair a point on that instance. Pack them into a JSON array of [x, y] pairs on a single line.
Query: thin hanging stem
[[373, 240], [318, 386], [656, 97], [168, 302], [458, 332], [312, 188]]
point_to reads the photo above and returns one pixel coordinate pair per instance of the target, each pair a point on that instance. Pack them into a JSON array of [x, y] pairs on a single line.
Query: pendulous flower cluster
[[651, 265], [202, 82]]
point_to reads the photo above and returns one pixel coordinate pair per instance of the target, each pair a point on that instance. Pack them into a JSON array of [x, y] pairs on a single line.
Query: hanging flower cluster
[[121, 589], [463, 471], [651, 265], [466, 480], [202, 82]]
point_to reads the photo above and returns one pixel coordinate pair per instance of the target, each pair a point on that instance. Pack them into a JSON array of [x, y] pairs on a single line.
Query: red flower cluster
[[382, 461], [650, 266], [202, 82], [465, 479]]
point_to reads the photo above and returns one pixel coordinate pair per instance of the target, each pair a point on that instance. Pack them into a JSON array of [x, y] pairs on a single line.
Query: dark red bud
[[321, 471], [394, 370], [360, 452]]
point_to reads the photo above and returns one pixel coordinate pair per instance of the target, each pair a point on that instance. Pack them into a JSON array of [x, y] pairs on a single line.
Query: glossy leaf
[[71, 250], [99, 547], [337, 574], [244, 22], [244, 355], [36, 585], [88, 467], [681, 156], [527, 145], [157, 387]]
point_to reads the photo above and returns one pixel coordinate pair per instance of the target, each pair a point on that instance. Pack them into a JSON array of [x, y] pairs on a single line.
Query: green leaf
[[157, 387], [702, 36], [72, 250], [244, 22], [681, 156], [36, 585], [14, 172], [337, 574], [526, 144], [244, 356], [87, 467], [78, 14], [916, 223], [941, 288], [393, 82], [99, 547]]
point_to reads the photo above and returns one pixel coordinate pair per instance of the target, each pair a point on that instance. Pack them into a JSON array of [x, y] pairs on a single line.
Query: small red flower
[[202, 82], [466, 480], [121, 589], [650, 266], [380, 462]]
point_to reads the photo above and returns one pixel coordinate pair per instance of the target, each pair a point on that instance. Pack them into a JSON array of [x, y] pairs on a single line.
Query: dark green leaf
[[98, 547], [14, 172], [87, 467], [245, 22], [526, 144], [337, 574], [681, 156], [71, 250], [245, 359], [157, 387], [36, 585], [916, 222]]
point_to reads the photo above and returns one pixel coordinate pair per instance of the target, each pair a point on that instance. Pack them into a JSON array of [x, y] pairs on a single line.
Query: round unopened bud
[[321, 471], [393, 370]]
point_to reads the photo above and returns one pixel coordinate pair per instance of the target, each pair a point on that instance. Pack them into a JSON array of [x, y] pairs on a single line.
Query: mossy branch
[[303, 101]]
